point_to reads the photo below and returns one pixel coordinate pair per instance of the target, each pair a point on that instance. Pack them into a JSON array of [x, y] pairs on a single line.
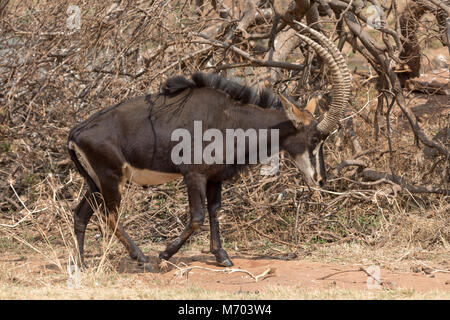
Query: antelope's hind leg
[[112, 197], [82, 215]]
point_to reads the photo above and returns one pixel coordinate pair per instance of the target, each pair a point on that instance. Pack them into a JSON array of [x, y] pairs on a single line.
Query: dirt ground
[[311, 275], [304, 274], [283, 277]]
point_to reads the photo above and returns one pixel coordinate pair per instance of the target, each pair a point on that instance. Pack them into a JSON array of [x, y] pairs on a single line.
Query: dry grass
[[138, 292]]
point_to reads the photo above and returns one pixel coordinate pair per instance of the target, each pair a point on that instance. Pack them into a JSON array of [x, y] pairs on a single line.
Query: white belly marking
[[145, 177]]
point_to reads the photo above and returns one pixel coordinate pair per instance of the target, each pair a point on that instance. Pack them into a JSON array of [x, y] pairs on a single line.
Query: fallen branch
[[185, 270], [373, 175], [349, 163]]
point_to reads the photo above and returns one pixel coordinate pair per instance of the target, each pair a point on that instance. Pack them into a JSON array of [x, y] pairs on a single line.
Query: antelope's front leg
[[214, 195], [196, 188]]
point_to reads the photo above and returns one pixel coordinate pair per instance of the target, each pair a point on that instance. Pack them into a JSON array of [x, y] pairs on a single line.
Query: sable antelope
[[131, 141]]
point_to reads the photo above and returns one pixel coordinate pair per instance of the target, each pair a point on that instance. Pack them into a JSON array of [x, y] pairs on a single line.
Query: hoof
[[142, 260], [222, 258], [225, 263], [164, 256], [82, 265], [140, 257]]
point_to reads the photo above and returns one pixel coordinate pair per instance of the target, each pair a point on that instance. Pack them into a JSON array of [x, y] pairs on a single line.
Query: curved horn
[[333, 116], [339, 93], [338, 56]]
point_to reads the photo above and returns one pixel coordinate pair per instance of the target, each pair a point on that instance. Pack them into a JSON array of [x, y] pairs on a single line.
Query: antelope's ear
[[297, 116], [311, 106]]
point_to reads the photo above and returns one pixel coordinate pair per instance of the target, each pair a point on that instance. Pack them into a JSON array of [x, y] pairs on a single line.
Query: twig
[[353, 270], [23, 204], [247, 56], [434, 269], [339, 272]]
